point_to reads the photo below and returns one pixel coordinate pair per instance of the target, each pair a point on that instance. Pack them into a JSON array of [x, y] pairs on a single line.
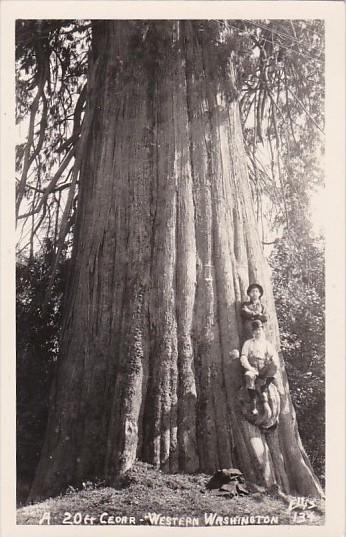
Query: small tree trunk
[[166, 245]]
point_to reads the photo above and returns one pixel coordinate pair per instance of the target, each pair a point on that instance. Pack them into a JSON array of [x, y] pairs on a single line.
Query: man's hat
[[253, 286]]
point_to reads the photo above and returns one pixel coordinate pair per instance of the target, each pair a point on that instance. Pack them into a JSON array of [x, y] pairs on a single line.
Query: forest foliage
[[299, 292], [280, 86]]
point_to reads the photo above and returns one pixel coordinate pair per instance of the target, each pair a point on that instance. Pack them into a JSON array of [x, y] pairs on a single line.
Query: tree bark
[[165, 247]]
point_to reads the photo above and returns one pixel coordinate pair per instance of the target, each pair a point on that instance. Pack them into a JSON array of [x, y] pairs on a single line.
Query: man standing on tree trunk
[[253, 310]]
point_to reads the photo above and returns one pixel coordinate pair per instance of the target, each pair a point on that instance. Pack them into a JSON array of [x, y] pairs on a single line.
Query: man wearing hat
[[253, 310]]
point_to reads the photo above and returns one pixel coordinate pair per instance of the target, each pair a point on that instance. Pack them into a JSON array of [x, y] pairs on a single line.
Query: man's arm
[[273, 355], [244, 358], [246, 313], [263, 316], [277, 376]]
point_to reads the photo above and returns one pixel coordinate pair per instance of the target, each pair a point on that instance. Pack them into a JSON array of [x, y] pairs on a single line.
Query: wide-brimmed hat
[[253, 286]]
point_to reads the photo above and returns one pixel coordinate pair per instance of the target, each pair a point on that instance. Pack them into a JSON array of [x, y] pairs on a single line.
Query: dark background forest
[[289, 129]]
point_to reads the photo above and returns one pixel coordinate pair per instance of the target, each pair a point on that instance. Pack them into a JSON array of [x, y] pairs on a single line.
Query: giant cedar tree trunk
[[166, 245]]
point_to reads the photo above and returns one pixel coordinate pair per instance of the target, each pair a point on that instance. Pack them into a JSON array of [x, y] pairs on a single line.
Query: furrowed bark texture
[[166, 245]]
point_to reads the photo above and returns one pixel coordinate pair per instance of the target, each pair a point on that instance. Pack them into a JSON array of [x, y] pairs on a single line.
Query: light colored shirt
[[256, 353]]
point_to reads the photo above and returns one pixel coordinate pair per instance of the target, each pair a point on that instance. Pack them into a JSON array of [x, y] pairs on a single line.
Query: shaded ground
[[148, 496]]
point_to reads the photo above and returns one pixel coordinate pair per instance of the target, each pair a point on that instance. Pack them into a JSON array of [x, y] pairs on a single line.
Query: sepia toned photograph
[[170, 283]]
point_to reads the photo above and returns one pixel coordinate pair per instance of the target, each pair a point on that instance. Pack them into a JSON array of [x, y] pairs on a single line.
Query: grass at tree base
[[146, 490]]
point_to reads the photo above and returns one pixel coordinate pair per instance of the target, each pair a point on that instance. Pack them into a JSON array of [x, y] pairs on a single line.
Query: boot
[[253, 408]]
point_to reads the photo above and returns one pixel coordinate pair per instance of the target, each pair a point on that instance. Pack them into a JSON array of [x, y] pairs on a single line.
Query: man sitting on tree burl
[[261, 363]]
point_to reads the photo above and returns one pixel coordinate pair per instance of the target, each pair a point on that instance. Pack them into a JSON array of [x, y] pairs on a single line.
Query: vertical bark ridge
[[272, 439], [133, 353], [228, 322], [204, 322], [237, 239], [204, 310], [239, 248], [148, 181], [229, 295], [185, 277], [162, 303], [109, 178], [221, 283], [187, 39], [301, 476], [165, 270], [258, 453]]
